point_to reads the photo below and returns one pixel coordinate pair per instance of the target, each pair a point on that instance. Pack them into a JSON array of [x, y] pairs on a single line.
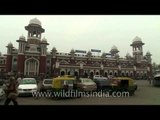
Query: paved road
[[146, 94]]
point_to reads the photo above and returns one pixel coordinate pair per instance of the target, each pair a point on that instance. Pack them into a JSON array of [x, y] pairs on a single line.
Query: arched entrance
[[85, 75], [115, 74], [91, 75], [110, 73], [105, 74], [127, 74], [68, 73], [131, 74], [62, 73], [31, 67], [76, 73], [97, 73], [123, 74]]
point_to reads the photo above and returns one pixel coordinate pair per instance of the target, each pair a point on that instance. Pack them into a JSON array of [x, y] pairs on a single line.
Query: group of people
[[11, 91]]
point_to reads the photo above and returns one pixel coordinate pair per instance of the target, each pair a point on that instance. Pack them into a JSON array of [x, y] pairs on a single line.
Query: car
[[97, 76], [102, 83], [46, 84], [27, 86], [86, 84]]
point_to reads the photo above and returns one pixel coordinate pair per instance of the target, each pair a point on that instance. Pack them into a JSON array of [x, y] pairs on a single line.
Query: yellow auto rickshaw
[[64, 86], [124, 84]]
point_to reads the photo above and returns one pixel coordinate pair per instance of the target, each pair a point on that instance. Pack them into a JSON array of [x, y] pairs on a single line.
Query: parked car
[[97, 76], [102, 83], [124, 84], [46, 84], [86, 84], [27, 86]]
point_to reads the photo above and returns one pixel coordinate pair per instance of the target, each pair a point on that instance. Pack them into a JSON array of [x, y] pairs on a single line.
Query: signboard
[[108, 53], [95, 50], [80, 51]]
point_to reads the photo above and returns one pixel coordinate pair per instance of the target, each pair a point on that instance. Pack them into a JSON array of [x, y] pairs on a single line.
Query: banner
[[80, 51], [95, 50]]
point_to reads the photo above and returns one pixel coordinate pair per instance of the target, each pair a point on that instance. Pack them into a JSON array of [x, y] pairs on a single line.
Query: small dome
[[35, 21], [53, 48], [89, 53], [72, 51], [10, 44], [44, 40], [128, 55], [114, 48], [22, 38], [137, 39], [148, 54]]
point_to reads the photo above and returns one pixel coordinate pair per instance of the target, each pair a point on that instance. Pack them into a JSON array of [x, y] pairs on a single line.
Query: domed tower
[[35, 30], [21, 57], [54, 51], [22, 44], [114, 51], [137, 49], [148, 56], [9, 57], [43, 46]]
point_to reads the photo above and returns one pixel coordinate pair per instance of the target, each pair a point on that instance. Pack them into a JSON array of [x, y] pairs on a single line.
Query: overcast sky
[[86, 32]]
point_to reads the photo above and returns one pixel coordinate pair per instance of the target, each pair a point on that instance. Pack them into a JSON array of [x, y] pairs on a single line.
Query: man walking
[[11, 92]]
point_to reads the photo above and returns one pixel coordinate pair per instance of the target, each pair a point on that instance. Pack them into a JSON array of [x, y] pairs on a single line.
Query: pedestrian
[[11, 92], [19, 80]]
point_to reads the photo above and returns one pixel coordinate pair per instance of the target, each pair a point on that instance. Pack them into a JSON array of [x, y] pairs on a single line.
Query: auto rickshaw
[[64, 86], [124, 84]]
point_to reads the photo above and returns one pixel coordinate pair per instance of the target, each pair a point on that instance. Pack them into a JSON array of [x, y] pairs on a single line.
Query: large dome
[[35, 21]]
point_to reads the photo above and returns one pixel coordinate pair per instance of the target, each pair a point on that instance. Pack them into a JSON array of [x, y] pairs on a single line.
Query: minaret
[[9, 57], [43, 46], [35, 30], [53, 61], [148, 56], [137, 49], [21, 57]]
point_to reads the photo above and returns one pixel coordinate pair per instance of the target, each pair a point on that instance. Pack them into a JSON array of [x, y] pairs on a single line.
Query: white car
[[27, 86]]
